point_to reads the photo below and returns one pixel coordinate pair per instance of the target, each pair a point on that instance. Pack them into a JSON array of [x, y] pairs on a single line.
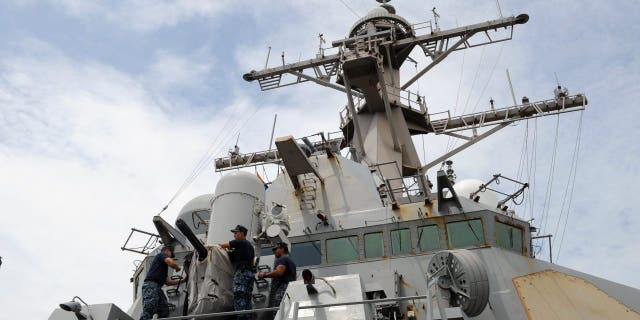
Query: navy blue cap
[[281, 245], [240, 228]]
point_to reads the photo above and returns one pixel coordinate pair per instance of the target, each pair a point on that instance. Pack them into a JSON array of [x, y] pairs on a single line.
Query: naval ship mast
[[381, 115]]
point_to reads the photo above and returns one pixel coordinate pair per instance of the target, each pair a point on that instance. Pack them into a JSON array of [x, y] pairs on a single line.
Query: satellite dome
[[383, 18], [199, 206], [377, 11], [465, 188]]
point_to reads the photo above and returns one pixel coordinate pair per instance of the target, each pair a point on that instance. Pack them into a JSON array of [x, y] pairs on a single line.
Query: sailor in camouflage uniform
[[241, 255], [153, 298], [284, 271]]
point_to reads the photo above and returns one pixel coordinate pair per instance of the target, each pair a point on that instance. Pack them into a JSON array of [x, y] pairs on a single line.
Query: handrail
[[326, 305], [296, 303], [222, 314]]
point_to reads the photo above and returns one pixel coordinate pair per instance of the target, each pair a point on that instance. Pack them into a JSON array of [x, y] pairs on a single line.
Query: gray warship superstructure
[[381, 241]]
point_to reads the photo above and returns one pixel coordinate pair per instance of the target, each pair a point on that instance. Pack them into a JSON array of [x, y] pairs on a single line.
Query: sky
[[106, 107]]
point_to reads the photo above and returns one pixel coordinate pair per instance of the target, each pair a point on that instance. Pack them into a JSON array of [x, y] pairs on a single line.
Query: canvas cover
[[210, 283]]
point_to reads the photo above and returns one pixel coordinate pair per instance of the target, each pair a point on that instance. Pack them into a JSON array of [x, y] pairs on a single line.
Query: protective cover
[[210, 283]]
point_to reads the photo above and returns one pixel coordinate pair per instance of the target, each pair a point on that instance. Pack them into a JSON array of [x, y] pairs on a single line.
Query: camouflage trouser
[[242, 288], [277, 293], [153, 301]]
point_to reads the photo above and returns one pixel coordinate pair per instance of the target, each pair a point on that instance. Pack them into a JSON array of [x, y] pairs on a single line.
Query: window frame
[[356, 247], [481, 242], [511, 227], [419, 237], [382, 244], [410, 251], [293, 252]]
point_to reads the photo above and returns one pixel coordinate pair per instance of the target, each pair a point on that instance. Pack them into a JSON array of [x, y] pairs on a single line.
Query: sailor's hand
[[184, 278], [261, 275]]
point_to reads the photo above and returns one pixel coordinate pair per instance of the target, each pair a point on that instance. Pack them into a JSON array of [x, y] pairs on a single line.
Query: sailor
[[153, 298], [411, 312], [241, 255], [284, 271]]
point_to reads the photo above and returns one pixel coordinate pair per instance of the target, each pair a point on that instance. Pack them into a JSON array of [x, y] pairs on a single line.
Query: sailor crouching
[[153, 298], [242, 256], [284, 271]]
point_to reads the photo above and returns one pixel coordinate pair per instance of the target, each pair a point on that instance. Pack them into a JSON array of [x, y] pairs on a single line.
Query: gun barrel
[[184, 228]]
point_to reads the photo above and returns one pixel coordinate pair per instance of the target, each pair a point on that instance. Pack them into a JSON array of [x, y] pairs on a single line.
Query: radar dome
[[382, 18], [239, 198], [465, 188], [378, 11], [196, 210]]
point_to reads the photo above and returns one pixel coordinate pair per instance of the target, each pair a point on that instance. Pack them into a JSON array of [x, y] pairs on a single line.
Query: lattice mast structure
[[381, 115]]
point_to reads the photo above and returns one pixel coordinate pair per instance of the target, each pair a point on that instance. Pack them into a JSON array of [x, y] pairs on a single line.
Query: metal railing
[[400, 189], [405, 98], [151, 242], [223, 314], [408, 98], [296, 307]]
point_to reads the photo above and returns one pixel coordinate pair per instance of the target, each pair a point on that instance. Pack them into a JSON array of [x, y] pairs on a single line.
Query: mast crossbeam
[[252, 159], [524, 111]]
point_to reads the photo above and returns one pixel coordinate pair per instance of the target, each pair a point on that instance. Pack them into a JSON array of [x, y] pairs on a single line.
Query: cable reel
[[464, 276]]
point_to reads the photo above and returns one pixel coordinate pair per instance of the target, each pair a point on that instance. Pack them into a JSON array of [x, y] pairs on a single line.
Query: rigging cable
[[533, 167], [213, 150], [523, 153], [201, 162], [489, 79], [455, 142], [566, 189], [455, 107], [350, 9], [547, 202], [204, 162], [524, 160], [573, 182], [466, 104]]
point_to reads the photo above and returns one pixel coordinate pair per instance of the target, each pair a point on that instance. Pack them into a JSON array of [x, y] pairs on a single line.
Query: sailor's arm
[[225, 245], [172, 263], [278, 272]]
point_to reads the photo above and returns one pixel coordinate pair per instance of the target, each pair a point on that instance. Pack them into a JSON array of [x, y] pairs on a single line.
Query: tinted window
[[373, 245], [342, 249], [266, 251], [465, 233], [400, 241], [306, 253], [508, 237], [428, 238]]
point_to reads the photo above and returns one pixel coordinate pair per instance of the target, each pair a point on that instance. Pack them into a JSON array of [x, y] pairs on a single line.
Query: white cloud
[[89, 155], [169, 71], [141, 15]]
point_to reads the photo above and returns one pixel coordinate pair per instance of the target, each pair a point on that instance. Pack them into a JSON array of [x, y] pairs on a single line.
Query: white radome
[[466, 187]]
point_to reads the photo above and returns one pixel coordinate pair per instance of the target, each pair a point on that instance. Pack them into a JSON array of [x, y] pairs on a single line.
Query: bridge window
[[400, 241], [266, 252], [428, 238], [466, 233], [343, 249], [306, 253], [508, 237], [373, 245]]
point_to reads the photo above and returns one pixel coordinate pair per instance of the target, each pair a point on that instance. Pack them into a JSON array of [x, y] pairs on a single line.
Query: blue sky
[[105, 107]]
